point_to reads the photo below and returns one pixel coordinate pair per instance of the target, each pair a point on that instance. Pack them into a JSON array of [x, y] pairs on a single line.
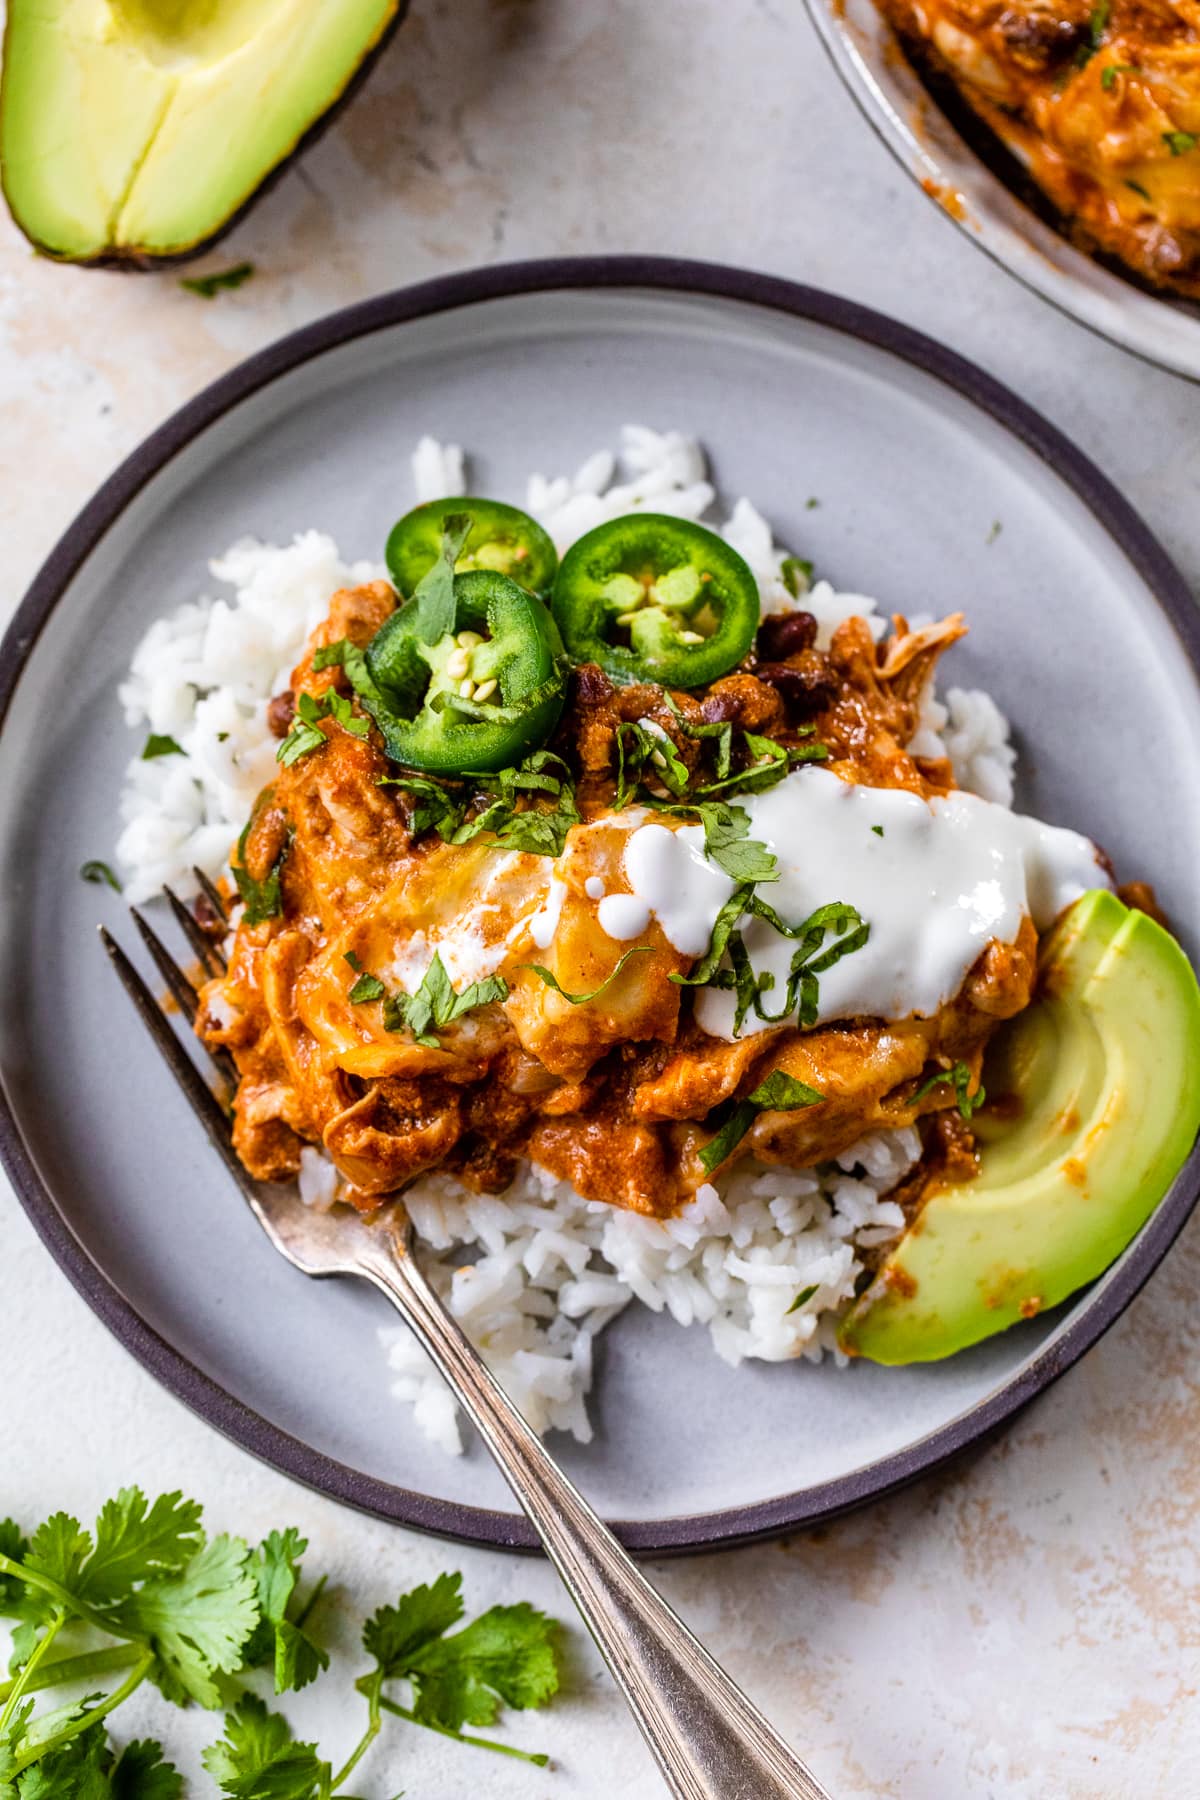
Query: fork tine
[[181, 989], [212, 894], [210, 958], [203, 1102]]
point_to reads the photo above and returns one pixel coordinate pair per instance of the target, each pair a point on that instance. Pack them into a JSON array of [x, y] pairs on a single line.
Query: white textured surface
[[1027, 1625]]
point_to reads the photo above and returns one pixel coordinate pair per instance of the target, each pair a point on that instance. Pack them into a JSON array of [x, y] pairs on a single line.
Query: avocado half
[[1103, 1071], [136, 131]]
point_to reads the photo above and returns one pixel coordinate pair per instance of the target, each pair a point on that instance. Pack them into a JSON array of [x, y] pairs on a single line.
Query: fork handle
[[709, 1742]]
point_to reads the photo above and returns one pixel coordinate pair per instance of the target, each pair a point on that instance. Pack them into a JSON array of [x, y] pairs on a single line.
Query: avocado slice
[[1105, 1068], [135, 131]]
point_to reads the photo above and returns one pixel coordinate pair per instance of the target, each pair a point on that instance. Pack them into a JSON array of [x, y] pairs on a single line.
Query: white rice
[[544, 1270]]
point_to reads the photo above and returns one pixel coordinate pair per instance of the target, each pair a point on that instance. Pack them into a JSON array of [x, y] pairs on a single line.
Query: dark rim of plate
[[477, 1525]]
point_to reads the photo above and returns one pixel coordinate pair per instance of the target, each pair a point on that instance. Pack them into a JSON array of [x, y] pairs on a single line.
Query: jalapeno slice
[[501, 539], [484, 695], [651, 598]]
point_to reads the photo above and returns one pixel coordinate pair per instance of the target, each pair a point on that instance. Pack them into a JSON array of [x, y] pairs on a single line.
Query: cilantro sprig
[[198, 1617]]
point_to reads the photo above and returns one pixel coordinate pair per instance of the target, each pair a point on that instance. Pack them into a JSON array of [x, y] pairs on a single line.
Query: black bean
[[803, 689], [784, 634]]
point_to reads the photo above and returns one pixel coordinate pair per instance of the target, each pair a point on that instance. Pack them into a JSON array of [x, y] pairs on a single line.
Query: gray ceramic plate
[[988, 197], [1081, 627]]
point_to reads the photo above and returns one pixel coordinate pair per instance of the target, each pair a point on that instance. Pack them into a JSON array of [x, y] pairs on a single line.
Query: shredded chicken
[[614, 1091]]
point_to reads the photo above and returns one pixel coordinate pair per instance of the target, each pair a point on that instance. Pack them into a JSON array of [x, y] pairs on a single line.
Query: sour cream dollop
[[935, 880]]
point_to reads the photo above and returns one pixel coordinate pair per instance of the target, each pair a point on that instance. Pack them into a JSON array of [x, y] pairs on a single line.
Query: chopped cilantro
[[645, 750], [796, 573], [551, 980], [537, 830], [158, 744], [996, 528], [810, 959], [959, 1077], [803, 1298], [811, 503], [435, 1003], [1180, 142], [878, 830], [99, 872], [437, 807], [209, 286], [779, 1092], [263, 900], [305, 735], [367, 987], [1108, 75], [1138, 189]]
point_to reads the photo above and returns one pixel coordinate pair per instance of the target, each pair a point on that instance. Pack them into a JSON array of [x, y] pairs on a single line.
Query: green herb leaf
[[720, 732], [1108, 75], [718, 942], [507, 1655], [1180, 142], [810, 959], [645, 750], [100, 872], [15, 1545], [279, 1638], [551, 981], [1137, 188], [539, 831], [306, 736], [395, 1634], [59, 1548], [136, 1542], [367, 987], [262, 899], [258, 1758], [434, 593], [772, 761], [435, 1003], [157, 745], [197, 1620], [209, 286], [779, 1092], [143, 1773], [726, 838], [802, 1298], [437, 808], [959, 1077], [796, 573], [75, 1770]]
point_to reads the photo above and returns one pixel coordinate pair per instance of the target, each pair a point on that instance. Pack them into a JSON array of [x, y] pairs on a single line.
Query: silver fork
[[709, 1742]]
